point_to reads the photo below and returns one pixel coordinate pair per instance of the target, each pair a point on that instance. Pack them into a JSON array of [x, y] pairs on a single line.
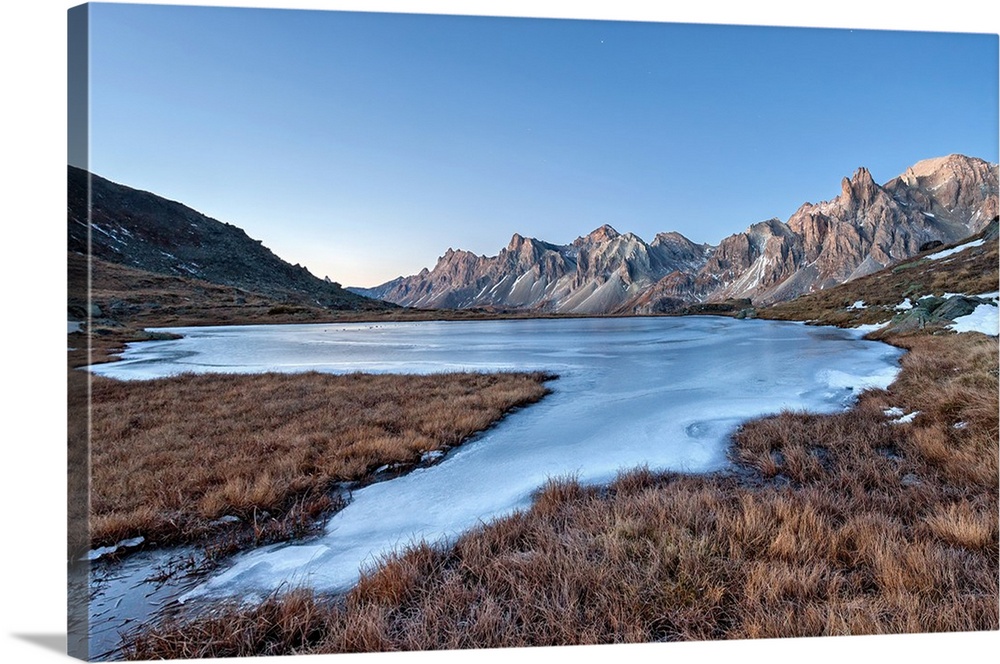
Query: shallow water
[[661, 392], [130, 592]]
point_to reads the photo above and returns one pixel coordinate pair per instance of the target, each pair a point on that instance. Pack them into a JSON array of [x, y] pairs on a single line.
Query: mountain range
[[864, 229]]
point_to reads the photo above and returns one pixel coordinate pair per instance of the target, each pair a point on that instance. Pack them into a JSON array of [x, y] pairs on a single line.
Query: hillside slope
[[151, 234]]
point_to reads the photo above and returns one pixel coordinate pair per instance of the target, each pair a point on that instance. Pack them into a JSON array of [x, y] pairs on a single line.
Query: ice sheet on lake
[[660, 392], [870, 327]]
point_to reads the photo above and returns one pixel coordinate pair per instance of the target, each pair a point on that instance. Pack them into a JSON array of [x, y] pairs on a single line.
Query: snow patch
[[899, 415], [94, 554], [860, 304], [857, 383], [110, 232], [983, 319], [870, 327], [954, 250]]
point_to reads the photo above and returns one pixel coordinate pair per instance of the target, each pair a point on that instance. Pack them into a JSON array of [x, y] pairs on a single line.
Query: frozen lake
[[660, 392]]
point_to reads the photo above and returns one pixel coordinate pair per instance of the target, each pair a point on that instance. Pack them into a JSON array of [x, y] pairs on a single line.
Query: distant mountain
[[861, 231], [149, 233], [596, 273]]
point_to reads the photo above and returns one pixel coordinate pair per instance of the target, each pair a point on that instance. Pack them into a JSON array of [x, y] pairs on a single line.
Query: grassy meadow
[[170, 457]]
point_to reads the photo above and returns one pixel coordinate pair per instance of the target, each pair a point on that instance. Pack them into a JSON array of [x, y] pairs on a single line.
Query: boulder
[[912, 320], [955, 306], [929, 304]]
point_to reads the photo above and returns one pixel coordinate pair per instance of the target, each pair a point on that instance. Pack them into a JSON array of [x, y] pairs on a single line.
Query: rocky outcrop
[[955, 191], [864, 229], [939, 311]]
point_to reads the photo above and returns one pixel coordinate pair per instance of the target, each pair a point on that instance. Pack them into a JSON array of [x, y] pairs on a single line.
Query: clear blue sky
[[364, 145]]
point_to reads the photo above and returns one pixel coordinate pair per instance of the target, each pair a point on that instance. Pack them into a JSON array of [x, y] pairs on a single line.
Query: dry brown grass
[[171, 455], [838, 524]]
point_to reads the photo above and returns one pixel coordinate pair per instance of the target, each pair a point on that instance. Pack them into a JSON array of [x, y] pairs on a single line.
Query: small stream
[[134, 589]]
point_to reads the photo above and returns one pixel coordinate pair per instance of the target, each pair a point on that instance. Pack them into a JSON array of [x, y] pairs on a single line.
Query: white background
[[33, 306]]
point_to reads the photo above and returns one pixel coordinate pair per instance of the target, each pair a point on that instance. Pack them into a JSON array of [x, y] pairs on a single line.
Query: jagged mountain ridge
[[595, 273], [144, 231], [864, 229]]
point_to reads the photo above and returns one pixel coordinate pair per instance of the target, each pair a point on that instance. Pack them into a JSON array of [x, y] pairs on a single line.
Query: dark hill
[[144, 231]]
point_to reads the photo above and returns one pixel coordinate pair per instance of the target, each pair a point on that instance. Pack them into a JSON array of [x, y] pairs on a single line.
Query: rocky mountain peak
[[953, 190], [598, 235], [929, 173], [525, 252], [677, 249], [456, 254], [860, 188], [772, 226], [516, 242], [936, 165], [670, 237], [457, 260]]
